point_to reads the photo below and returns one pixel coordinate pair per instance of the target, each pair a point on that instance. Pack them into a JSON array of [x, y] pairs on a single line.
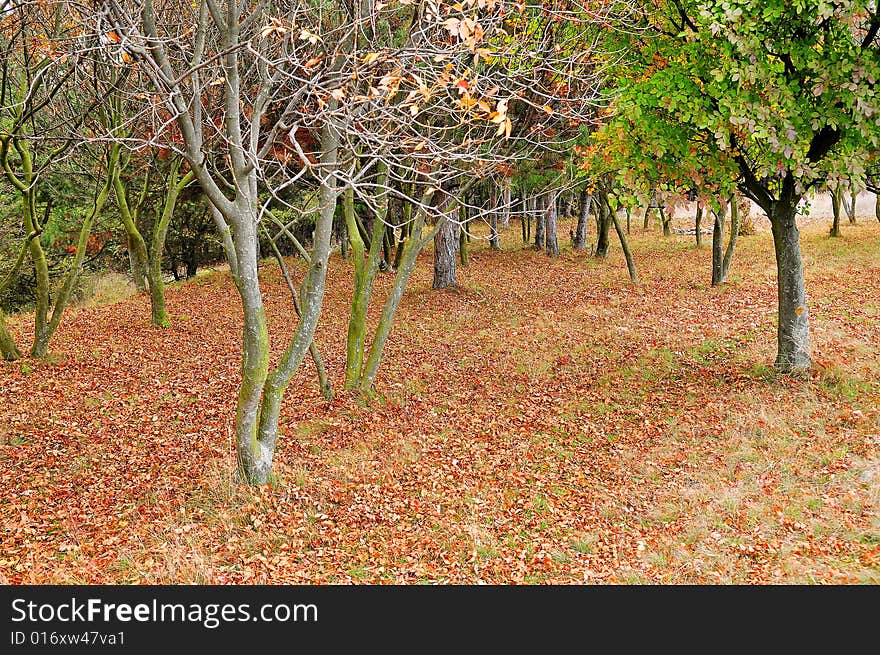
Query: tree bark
[[493, 217], [718, 246], [463, 235], [539, 223], [698, 221], [731, 241], [551, 219], [445, 245], [580, 233], [155, 278], [630, 263], [8, 349], [851, 206], [137, 261], [667, 222], [505, 203], [603, 224], [836, 197], [793, 331]]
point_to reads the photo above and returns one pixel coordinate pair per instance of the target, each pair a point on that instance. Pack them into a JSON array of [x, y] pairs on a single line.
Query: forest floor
[[544, 422]]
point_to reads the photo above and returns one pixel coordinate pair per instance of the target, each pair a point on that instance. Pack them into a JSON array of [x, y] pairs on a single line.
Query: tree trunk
[[254, 457], [445, 244], [505, 203], [603, 220], [793, 332], [137, 261], [580, 233], [413, 246], [667, 222], [877, 207], [718, 246], [698, 221], [366, 265], [550, 218], [157, 248], [836, 196], [463, 234], [630, 263], [851, 207], [493, 217], [731, 242], [256, 454], [647, 216], [8, 349], [539, 223], [62, 297]]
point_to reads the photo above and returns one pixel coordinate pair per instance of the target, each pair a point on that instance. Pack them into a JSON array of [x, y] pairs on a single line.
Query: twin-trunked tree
[[359, 101]]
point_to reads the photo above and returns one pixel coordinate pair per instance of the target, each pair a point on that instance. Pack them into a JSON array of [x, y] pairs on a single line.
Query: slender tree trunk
[[877, 206], [413, 246], [580, 233], [550, 220], [539, 223], [793, 332], [836, 196], [157, 247], [257, 468], [851, 206], [667, 222], [445, 244], [647, 216], [731, 241], [505, 203], [323, 381], [365, 270], [630, 263], [493, 218], [62, 297], [463, 234], [698, 221], [718, 246], [603, 220], [405, 231]]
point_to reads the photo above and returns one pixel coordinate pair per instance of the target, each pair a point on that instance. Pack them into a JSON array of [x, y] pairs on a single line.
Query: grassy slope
[[544, 422]]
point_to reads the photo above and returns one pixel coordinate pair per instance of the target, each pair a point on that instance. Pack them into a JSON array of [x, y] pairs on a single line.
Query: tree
[[769, 96], [267, 98], [44, 103]]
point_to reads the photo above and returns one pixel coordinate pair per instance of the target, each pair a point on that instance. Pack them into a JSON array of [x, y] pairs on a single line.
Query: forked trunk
[[835, 212]]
